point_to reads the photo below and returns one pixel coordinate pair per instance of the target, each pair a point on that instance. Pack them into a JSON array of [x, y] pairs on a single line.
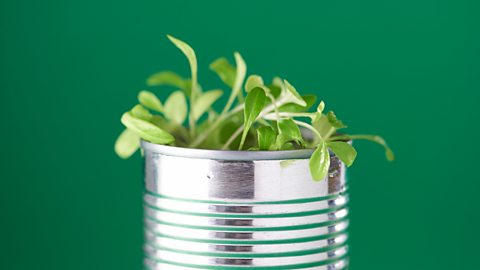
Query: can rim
[[226, 154]]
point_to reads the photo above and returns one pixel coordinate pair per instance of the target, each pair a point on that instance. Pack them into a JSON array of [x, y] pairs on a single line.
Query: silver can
[[212, 209]]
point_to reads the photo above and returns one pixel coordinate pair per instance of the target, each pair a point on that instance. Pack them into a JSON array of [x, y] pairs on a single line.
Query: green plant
[[270, 117]]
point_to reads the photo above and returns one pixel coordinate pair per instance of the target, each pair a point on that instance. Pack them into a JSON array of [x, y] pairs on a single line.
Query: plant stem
[[388, 152], [228, 105], [240, 97], [305, 125], [289, 115], [307, 115], [233, 137], [215, 124], [265, 111], [329, 133], [270, 108], [191, 119], [224, 116], [191, 125], [358, 137], [241, 72], [275, 107]]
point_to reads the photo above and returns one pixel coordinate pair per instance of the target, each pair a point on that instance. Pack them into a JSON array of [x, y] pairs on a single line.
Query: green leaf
[[162, 123], [320, 107], [146, 130], [179, 132], [388, 152], [192, 60], [320, 121], [344, 151], [166, 78], [212, 115], [127, 144], [292, 95], [374, 138], [175, 109], [288, 131], [292, 107], [224, 70], [276, 87], [333, 120], [150, 100], [320, 162], [141, 113], [277, 81], [204, 102], [254, 104], [188, 88], [321, 124], [266, 138], [288, 146], [252, 82], [239, 77], [226, 129]]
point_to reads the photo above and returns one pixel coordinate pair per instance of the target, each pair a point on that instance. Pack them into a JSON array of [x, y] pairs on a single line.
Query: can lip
[[226, 154]]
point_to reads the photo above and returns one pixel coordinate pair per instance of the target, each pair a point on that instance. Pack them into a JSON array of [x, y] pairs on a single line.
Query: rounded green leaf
[[252, 82], [150, 100], [146, 130], [175, 109], [127, 144], [254, 103], [141, 113], [166, 78], [344, 151], [320, 162], [266, 138], [276, 86], [162, 123], [288, 132], [224, 70], [204, 102]]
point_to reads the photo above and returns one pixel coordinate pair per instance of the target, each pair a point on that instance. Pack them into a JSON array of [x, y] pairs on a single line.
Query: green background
[[408, 70]]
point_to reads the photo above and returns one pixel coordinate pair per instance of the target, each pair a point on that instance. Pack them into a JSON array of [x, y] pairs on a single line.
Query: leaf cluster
[[257, 116]]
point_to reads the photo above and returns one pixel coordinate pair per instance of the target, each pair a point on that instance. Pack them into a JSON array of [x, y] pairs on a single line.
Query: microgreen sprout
[[270, 117]]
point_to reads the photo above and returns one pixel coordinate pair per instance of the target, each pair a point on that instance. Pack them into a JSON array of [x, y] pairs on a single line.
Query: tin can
[[213, 209]]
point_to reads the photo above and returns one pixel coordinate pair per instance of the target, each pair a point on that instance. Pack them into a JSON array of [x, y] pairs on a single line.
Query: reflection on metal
[[207, 209]]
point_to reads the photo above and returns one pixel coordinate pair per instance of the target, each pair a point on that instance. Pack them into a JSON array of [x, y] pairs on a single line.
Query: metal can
[[213, 209]]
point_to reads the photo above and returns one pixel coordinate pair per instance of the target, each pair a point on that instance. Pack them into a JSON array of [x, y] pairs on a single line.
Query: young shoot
[[255, 117]]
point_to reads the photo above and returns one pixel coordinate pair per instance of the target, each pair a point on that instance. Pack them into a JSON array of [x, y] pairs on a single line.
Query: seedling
[[270, 117]]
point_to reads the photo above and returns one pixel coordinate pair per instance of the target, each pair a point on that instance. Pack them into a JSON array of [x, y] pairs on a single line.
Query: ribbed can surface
[[235, 210]]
